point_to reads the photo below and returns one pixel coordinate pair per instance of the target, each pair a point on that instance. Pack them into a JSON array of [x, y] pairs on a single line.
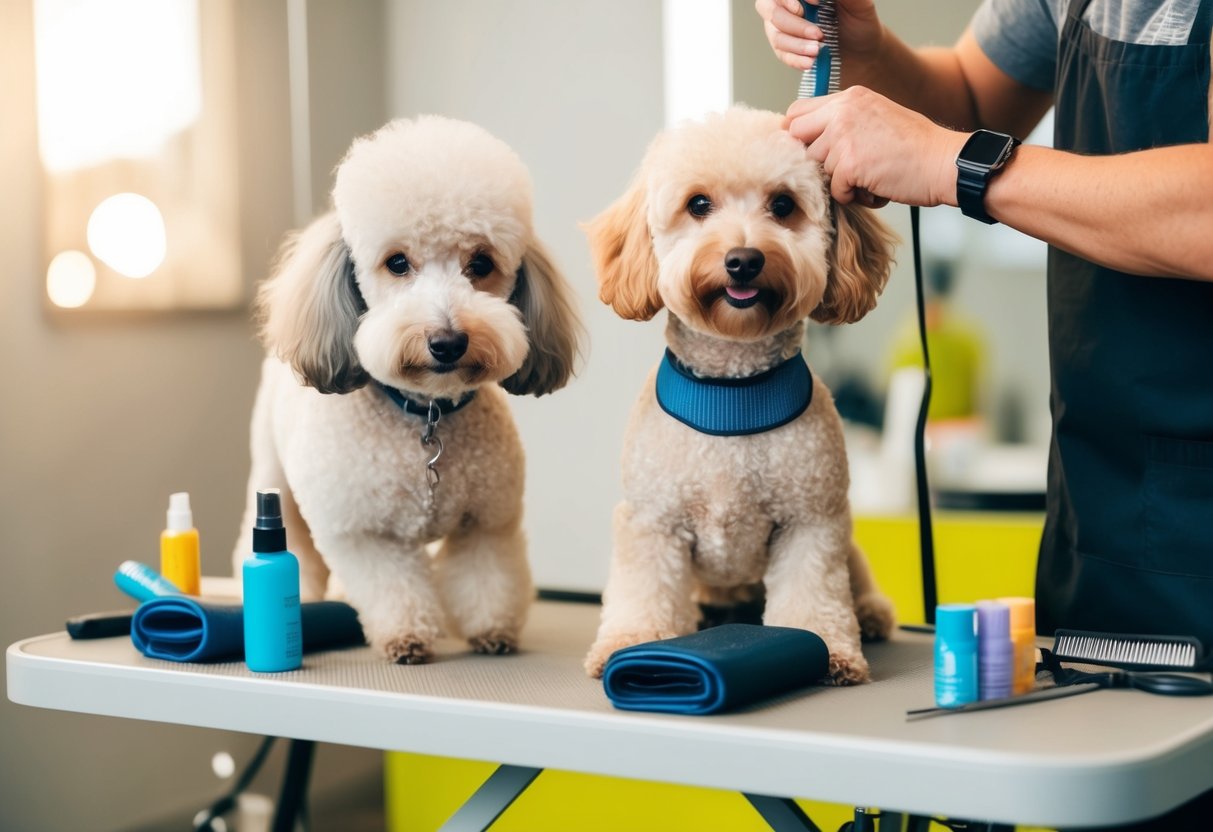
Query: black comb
[[1130, 652]]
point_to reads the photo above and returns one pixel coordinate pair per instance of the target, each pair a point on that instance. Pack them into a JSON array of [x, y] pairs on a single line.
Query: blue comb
[[825, 76]]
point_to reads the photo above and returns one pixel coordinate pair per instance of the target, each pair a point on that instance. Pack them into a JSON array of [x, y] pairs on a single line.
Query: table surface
[[1110, 756]]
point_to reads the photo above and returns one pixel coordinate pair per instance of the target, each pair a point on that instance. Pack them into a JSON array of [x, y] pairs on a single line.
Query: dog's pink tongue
[[740, 292]]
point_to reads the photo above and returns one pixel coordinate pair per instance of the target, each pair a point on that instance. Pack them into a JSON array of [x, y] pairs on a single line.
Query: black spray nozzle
[[269, 535], [269, 509]]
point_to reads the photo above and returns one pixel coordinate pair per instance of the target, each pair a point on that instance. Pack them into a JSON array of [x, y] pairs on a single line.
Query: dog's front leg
[[266, 472], [648, 591], [872, 607], [389, 582], [486, 585], [808, 586]]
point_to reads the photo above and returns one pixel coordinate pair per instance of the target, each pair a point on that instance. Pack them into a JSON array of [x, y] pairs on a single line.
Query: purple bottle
[[995, 651]]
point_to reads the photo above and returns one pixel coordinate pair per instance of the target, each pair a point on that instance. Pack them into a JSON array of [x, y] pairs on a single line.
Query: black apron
[[1128, 541]]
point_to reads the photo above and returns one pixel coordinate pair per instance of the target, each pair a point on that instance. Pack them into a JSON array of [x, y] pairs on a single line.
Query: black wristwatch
[[983, 155]]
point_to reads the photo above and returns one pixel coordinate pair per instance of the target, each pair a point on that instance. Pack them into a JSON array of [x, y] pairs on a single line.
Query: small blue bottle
[[273, 632], [141, 582], [955, 655]]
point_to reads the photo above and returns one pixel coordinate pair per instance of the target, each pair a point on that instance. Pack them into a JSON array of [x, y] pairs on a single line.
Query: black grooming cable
[[926, 538]]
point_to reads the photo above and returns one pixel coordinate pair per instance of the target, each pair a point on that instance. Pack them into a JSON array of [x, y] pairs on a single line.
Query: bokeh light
[[70, 279], [126, 233]]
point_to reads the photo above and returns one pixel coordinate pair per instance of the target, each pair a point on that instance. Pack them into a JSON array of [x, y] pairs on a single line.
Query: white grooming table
[[1100, 758]]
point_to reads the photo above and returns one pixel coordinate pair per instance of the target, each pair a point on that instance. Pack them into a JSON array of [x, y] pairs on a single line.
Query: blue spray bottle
[[273, 633]]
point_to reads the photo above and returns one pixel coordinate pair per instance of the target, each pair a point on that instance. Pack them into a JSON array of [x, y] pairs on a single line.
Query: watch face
[[984, 148]]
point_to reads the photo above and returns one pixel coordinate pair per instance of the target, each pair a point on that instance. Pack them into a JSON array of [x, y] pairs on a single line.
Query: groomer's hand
[[875, 150], [796, 41]]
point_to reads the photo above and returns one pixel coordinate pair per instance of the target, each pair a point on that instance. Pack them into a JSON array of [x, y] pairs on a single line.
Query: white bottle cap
[[180, 518]]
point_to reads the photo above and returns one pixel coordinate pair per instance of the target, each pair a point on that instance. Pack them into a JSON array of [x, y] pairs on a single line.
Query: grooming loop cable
[[824, 78]]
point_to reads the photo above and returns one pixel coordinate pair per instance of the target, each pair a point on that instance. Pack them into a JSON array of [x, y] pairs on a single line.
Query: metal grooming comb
[[825, 76]]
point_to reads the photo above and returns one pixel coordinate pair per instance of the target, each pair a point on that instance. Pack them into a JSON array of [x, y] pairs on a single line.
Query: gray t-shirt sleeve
[[1020, 37]]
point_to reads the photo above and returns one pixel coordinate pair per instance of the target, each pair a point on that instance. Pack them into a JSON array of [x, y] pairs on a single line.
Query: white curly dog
[[731, 227], [417, 299]]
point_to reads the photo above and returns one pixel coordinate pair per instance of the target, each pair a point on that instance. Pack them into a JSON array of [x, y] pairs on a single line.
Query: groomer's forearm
[[929, 80], [1147, 212]]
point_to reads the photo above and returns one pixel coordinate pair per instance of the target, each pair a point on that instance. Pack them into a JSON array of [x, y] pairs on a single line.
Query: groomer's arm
[[1143, 213], [1147, 212], [957, 86]]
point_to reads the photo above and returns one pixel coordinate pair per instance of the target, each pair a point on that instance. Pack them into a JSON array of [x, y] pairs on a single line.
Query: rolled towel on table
[[714, 670], [182, 629]]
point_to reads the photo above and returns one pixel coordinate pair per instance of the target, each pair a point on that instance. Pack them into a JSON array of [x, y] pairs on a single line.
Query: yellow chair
[[976, 556]]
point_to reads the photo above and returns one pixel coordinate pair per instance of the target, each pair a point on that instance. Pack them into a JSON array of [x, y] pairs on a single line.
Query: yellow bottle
[[1023, 636], [180, 563]]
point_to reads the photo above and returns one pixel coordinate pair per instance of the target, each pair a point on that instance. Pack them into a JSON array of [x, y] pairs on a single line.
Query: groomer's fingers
[[805, 106], [841, 186], [827, 126], [865, 142], [794, 40], [766, 8], [796, 46], [797, 61], [784, 16], [809, 127], [794, 24], [869, 200]]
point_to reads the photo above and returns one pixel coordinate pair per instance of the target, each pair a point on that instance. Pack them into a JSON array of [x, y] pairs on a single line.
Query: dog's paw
[[494, 643], [596, 659], [876, 616], [846, 669], [406, 650]]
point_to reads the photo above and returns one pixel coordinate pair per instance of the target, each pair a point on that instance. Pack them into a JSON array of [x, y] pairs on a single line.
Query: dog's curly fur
[[705, 518], [450, 206]]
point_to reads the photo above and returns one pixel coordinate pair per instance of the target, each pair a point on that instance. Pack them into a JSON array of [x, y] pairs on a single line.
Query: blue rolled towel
[[182, 629], [714, 670]]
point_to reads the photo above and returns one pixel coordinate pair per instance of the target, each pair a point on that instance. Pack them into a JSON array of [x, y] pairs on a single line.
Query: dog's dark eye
[[398, 264], [480, 266], [782, 206], [699, 205]]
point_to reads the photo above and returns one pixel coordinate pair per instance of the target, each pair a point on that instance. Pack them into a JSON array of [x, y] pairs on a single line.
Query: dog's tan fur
[[350, 464], [704, 517]]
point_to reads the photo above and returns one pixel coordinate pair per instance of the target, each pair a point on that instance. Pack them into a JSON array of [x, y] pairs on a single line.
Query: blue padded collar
[[422, 408], [735, 406]]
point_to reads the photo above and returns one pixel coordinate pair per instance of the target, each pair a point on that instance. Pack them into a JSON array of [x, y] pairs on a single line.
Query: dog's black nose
[[448, 347], [744, 264]]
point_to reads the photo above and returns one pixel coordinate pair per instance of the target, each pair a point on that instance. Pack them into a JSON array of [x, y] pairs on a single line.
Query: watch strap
[[971, 194], [972, 180]]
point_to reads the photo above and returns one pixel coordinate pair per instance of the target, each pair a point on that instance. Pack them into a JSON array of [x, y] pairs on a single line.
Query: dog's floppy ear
[[309, 308], [553, 329], [859, 265], [624, 260]]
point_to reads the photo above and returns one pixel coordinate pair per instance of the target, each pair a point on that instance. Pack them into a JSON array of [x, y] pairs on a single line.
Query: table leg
[[492, 798], [782, 814], [294, 785]]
